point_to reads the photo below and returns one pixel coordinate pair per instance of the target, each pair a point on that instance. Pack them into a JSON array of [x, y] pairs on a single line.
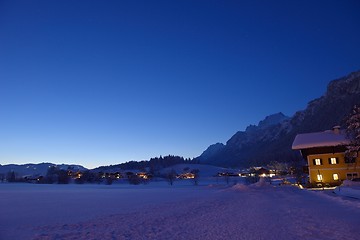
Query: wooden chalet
[[325, 155]]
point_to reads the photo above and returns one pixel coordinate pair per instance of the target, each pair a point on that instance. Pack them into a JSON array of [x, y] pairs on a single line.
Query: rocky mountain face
[[212, 150], [272, 138]]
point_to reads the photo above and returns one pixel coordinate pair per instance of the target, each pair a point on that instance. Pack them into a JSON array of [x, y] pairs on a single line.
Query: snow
[[204, 170], [349, 189], [240, 187], [32, 169], [327, 138], [350, 183], [182, 211], [353, 192]]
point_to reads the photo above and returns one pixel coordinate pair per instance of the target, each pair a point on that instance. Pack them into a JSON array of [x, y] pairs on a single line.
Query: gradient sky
[[104, 82]]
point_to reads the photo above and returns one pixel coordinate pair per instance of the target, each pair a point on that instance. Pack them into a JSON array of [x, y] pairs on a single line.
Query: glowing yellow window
[[317, 161], [333, 160], [335, 176], [319, 177]]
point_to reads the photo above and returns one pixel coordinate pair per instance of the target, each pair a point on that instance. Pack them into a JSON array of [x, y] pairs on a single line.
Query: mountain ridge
[[264, 143], [40, 169]]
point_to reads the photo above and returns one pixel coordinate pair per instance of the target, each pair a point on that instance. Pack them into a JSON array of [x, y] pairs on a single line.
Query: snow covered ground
[[182, 211], [349, 189]]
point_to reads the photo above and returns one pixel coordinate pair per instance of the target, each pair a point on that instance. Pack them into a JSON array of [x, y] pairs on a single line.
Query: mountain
[[272, 120], [212, 150], [272, 138], [36, 169]]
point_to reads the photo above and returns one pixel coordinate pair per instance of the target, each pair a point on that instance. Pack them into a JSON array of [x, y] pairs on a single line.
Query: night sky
[[104, 82]]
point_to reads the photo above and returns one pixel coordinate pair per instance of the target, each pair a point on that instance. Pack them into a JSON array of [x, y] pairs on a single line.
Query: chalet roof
[[327, 138]]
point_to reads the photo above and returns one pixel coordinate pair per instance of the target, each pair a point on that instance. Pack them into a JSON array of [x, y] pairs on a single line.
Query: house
[[325, 155], [263, 172], [187, 175], [144, 175]]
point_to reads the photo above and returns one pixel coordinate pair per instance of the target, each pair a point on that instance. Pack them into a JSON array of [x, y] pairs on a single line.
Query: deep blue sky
[[103, 82]]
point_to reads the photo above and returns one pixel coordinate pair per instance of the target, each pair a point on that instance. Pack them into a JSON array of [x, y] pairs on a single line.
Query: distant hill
[[153, 165], [271, 139], [40, 169]]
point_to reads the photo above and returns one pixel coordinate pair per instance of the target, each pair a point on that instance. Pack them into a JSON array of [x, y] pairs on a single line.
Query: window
[[319, 177], [317, 161], [333, 160], [350, 159], [336, 176], [350, 176]]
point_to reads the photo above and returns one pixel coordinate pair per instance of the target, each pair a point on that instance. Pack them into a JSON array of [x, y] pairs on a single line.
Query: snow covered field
[[182, 211]]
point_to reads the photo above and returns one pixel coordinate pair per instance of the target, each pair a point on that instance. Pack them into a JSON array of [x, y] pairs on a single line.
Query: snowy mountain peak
[[37, 169], [268, 121], [212, 150], [272, 120]]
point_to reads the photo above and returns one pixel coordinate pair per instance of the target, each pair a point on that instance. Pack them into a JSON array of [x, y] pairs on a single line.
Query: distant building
[[325, 155], [187, 175]]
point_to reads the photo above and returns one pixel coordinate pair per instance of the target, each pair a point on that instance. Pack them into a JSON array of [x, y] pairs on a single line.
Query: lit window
[[317, 161], [319, 177], [333, 160], [335, 176]]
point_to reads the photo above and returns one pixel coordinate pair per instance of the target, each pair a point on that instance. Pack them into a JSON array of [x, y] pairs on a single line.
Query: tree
[[80, 180], [353, 133], [171, 176], [227, 178], [196, 176], [109, 180], [11, 176], [88, 176], [2, 177], [63, 177], [279, 167], [51, 175], [134, 179]]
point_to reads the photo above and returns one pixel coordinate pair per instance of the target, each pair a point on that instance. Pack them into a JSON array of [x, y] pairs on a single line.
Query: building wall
[[326, 170]]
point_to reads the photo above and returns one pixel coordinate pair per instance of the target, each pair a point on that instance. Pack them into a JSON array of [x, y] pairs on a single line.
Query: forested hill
[[152, 165]]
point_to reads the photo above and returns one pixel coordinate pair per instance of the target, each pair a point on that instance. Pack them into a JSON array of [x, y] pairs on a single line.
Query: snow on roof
[[327, 138]]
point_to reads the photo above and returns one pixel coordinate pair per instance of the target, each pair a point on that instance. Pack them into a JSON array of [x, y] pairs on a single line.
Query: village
[[328, 165]]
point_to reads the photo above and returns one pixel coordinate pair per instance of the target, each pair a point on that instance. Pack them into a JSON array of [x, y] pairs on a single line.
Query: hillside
[[40, 169], [271, 139]]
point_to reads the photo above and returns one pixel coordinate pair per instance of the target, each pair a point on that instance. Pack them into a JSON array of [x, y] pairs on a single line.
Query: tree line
[[105, 174], [153, 165]]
